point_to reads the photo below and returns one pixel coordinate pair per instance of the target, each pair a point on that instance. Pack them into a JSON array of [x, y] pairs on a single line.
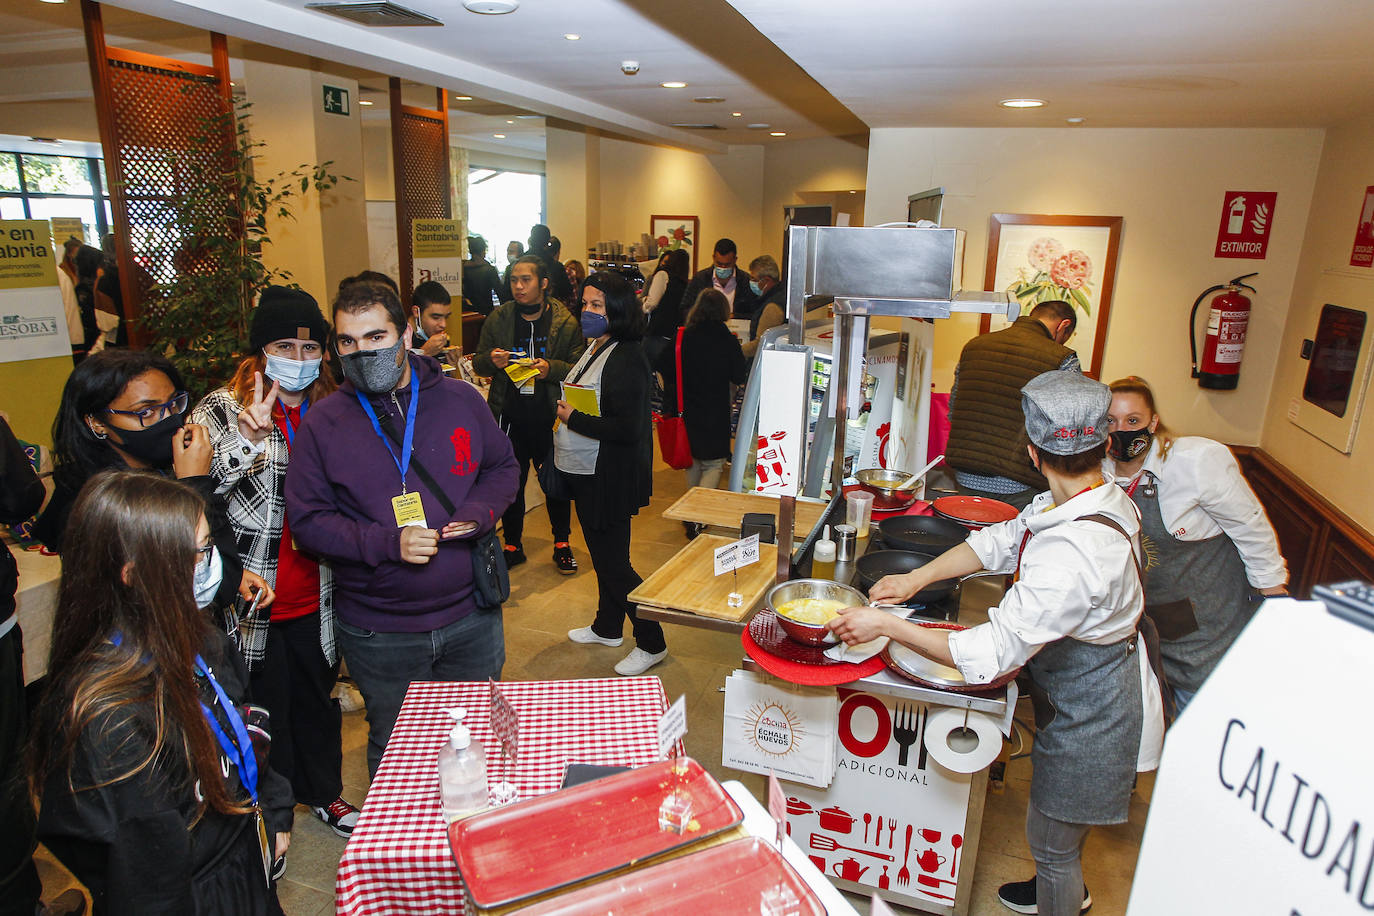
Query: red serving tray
[[729, 878], [535, 846], [974, 511]]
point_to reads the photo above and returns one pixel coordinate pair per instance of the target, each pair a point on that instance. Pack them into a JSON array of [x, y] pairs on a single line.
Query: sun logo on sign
[[774, 729]]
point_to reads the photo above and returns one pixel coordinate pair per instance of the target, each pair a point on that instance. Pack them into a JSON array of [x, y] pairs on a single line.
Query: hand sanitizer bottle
[[462, 771]]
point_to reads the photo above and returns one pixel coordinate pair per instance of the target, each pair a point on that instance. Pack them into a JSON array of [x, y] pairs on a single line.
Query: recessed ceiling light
[[52, 1], [508, 121], [707, 99], [736, 114], [573, 37], [674, 84], [462, 98], [499, 136], [777, 133], [759, 126], [365, 102], [1022, 103], [491, 7], [1075, 120], [853, 192]]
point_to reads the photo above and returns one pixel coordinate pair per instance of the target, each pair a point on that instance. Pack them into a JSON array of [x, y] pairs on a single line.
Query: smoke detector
[[375, 14]]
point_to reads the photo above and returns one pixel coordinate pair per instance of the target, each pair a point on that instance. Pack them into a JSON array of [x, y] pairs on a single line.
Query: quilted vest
[[987, 432]]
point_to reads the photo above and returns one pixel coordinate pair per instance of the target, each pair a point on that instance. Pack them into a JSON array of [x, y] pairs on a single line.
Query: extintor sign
[[1247, 221]]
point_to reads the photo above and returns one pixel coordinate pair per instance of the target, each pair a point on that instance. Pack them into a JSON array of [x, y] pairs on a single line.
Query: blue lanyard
[[402, 462], [286, 421], [241, 753]]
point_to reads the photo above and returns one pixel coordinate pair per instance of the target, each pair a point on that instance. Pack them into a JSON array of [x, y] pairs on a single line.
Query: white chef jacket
[[1202, 494], [1078, 579]]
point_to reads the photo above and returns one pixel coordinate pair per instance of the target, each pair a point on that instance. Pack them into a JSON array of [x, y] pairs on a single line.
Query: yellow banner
[[67, 227], [436, 238], [26, 258]]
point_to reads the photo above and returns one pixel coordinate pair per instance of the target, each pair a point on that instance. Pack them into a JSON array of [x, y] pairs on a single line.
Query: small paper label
[[505, 721], [672, 725], [737, 554], [410, 512], [777, 804]]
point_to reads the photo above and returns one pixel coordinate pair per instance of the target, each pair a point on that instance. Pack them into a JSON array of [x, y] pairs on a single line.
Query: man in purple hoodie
[[360, 491]]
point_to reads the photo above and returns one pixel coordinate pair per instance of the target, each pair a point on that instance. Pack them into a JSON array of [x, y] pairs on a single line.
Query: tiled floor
[[545, 605]]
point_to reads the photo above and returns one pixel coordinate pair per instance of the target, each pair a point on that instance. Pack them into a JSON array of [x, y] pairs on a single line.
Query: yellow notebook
[[582, 398]]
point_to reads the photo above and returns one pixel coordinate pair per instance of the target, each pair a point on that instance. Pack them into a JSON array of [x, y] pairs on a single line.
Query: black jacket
[[711, 360], [668, 315], [746, 303], [480, 282], [21, 493], [623, 481], [135, 843]]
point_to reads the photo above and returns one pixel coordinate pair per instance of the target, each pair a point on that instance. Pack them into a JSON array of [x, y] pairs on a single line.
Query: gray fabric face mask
[[374, 371]]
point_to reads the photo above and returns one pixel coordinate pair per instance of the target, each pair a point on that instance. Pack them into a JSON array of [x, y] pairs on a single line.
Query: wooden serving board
[[725, 509], [686, 582]]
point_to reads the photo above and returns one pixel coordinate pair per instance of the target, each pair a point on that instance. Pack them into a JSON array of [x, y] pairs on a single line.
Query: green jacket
[[563, 347]]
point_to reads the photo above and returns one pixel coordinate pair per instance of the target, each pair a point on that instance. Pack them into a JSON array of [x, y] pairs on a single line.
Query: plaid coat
[[253, 487]]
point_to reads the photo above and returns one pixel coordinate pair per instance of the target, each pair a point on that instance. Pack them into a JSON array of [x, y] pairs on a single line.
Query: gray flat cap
[[1066, 413]]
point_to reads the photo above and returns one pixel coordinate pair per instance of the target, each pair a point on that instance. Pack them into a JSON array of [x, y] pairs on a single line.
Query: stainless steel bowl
[[883, 483], [807, 633]]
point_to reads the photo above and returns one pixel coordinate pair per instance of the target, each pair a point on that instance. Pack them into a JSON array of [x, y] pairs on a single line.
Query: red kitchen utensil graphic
[[826, 844], [904, 876], [930, 860], [797, 806], [930, 836], [849, 869], [930, 881], [819, 862], [837, 820], [933, 894], [956, 841], [891, 831], [868, 820], [883, 882]]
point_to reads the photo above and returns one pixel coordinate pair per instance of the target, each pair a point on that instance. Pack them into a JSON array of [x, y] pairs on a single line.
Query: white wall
[[1168, 186], [1347, 168], [819, 171]]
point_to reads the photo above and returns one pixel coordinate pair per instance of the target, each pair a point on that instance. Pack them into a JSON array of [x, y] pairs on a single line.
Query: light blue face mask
[[207, 579], [724, 273], [754, 288], [292, 374]]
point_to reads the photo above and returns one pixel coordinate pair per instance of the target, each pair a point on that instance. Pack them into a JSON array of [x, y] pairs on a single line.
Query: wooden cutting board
[[725, 509], [686, 582]]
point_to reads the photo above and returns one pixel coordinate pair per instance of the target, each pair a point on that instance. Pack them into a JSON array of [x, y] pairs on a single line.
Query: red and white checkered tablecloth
[[398, 860]]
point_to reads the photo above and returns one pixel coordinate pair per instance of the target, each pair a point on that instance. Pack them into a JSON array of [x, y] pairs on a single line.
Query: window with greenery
[[34, 186]]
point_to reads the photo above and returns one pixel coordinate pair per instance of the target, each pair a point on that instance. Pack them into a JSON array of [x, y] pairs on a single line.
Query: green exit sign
[[335, 100]]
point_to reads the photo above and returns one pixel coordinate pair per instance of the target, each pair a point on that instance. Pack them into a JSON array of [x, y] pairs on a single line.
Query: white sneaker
[[587, 636], [639, 661]]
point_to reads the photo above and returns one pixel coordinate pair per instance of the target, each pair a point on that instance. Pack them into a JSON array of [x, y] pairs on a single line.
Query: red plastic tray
[[974, 511], [730, 878], [531, 847]]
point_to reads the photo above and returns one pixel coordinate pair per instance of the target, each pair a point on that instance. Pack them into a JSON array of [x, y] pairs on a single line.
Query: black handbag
[[490, 575], [552, 481]]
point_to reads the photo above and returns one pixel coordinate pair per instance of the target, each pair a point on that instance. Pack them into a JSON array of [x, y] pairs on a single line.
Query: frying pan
[[875, 564], [926, 534]]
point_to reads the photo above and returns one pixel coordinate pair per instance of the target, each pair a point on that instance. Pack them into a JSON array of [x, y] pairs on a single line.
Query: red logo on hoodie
[[463, 464]]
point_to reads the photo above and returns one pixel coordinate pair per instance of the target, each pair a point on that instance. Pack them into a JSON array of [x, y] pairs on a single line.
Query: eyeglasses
[[203, 555], [148, 416]]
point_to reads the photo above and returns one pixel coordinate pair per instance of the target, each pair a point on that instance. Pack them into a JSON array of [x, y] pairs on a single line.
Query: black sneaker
[[563, 559], [1019, 897], [514, 556]]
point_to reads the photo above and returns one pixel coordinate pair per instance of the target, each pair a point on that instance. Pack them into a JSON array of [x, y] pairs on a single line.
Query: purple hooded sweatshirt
[[342, 478]]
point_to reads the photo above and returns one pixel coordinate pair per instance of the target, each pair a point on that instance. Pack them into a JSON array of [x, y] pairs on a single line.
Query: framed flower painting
[[1038, 258], [674, 232]]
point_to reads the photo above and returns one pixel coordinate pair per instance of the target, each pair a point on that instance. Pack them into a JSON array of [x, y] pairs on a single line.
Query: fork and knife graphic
[[908, 724]]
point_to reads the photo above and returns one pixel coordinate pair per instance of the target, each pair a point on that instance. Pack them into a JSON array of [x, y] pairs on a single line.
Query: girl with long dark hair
[[608, 461], [150, 789]]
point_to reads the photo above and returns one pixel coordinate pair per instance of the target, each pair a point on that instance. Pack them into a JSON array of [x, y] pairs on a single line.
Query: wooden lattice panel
[[420, 147]]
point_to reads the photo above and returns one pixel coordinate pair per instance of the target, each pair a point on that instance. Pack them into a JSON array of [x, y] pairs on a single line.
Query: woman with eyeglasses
[[289, 649], [126, 409], [153, 785]]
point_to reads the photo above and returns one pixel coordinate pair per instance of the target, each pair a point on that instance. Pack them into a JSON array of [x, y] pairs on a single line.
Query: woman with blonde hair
[[1211, 552], [289, 648], [151, 790]]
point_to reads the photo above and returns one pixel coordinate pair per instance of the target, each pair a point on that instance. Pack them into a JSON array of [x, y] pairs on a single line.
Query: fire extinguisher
[[1226, 325]]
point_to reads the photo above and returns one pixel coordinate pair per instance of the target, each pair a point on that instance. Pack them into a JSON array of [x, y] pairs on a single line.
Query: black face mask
[[534, 308], [1129, 443], [152, 444]]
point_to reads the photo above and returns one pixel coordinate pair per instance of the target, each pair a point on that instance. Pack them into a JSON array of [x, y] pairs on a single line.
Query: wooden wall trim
[[1338, 519]]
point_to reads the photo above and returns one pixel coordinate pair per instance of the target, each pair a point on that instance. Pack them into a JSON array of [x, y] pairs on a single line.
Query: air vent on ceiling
[[374, 14], [686, 126]]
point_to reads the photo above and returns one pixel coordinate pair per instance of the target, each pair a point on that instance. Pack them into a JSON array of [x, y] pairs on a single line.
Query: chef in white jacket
[[1212, 554], [1071, 619]]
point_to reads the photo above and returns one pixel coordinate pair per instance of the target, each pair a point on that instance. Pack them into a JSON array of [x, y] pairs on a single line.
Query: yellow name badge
[[409, 510]]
